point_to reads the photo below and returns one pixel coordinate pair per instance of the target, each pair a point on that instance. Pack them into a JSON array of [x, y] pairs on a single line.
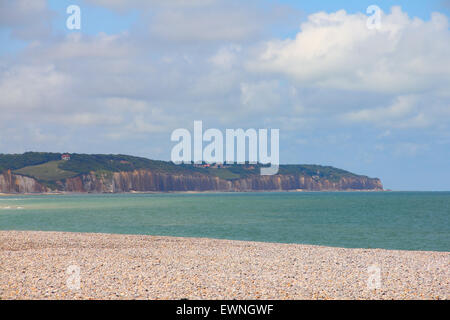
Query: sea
[[388, 220]]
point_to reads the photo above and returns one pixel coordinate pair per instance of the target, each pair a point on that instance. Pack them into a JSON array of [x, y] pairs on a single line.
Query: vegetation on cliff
[[18, 161], [49, 171]]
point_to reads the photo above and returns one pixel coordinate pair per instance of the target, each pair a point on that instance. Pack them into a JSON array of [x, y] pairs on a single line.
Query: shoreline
[[190, 192], [75, 233], [33, 265]]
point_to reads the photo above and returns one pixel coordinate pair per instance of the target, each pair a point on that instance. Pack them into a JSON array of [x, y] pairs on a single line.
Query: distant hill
[[123, 173]]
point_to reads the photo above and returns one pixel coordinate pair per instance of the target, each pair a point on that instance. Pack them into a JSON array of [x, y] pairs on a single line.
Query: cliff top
[[46, 166]]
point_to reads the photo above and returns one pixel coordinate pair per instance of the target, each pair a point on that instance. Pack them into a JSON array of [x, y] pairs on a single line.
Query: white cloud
[[338, 51], [125, 5], [402, 107], [187, 22], [125, 104], [226, 57], [78, 46], [32, 87], [89, 119], [227, 23], [261, 96], [27, 19], [409, 149]]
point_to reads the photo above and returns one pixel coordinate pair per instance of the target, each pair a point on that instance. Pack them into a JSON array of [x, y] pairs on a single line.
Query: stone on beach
[[34, 265]]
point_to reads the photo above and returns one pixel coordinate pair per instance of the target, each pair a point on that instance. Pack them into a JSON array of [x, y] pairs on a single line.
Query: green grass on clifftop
[[48, 171]]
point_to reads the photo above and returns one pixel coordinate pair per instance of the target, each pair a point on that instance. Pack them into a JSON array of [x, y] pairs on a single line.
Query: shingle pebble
[[34, 265]]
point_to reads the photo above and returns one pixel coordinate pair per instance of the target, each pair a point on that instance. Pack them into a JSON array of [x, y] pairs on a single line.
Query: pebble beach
[[60, 265]]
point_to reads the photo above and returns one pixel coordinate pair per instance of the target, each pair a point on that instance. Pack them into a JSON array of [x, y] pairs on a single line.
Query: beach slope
[[44, 265]]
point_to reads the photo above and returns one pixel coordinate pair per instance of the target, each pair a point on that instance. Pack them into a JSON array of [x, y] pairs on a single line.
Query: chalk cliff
[[13, 183], [147, 180]]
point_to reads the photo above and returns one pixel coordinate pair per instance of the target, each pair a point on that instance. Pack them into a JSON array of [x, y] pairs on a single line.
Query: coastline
[[189, 192], [33, 265]]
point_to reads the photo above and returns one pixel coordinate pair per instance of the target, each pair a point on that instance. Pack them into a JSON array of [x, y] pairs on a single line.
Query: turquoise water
[[390, 220]]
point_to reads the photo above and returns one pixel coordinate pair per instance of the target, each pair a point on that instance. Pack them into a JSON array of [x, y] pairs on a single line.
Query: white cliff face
[[11, 183], [146, 180]]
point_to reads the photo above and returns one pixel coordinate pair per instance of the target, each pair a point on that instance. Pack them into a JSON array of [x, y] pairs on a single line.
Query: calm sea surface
[[390, 220]]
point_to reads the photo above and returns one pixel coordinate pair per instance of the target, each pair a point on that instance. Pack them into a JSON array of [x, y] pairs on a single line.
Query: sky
[[374, 101]]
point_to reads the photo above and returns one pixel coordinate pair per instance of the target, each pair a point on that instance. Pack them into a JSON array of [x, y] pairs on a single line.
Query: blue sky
[[374, 102]]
